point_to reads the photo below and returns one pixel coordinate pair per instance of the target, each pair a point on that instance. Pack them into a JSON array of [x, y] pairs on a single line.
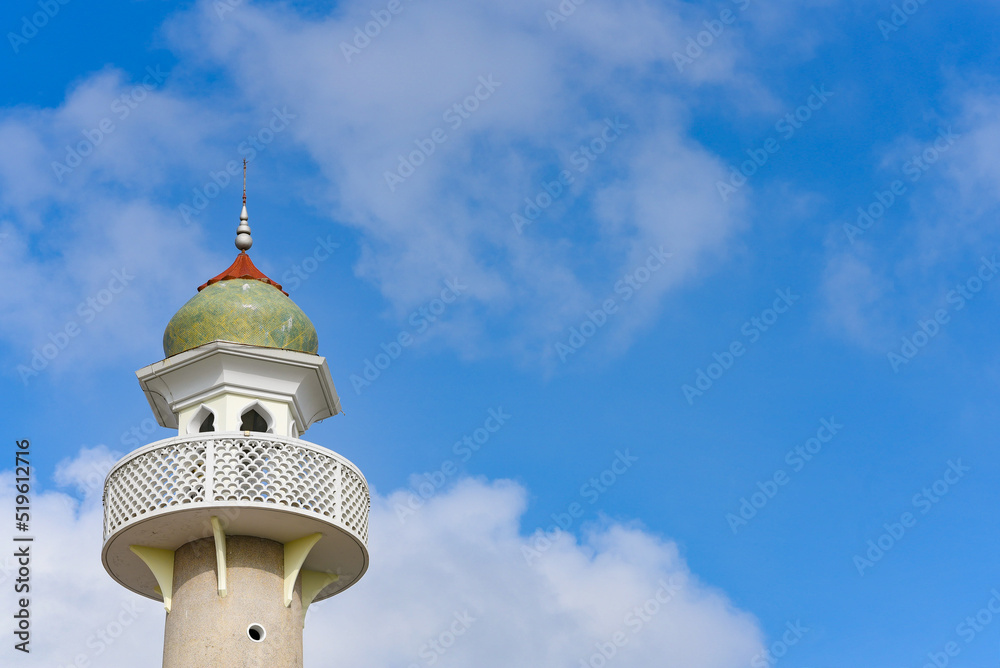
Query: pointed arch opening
[[202, 421], [256, 418]]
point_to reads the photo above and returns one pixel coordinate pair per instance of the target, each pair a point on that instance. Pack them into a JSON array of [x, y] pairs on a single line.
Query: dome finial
[[243, 239]]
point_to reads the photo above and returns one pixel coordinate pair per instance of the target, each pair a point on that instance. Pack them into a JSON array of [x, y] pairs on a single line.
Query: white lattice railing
[[234, 469]]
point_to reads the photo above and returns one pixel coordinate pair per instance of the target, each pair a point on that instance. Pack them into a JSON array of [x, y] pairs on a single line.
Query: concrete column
[[204, 629]]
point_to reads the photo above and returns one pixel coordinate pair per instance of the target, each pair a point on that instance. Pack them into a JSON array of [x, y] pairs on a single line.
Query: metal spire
[[243, 239]]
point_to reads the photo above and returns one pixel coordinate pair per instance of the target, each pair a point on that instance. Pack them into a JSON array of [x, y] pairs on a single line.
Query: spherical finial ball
[[243, 241]]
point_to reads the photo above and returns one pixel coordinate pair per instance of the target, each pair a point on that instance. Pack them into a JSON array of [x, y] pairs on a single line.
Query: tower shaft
[[205, 629]]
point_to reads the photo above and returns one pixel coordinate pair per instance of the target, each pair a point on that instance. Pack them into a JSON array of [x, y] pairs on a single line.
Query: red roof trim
[[242, 267]]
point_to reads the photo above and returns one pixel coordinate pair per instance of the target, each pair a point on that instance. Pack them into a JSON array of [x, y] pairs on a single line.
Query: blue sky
[[842, 282]]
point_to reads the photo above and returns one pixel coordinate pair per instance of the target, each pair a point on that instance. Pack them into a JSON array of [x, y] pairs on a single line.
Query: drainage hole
[[256, 632]]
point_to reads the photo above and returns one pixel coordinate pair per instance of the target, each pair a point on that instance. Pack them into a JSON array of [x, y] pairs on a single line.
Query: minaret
[[236, 524]]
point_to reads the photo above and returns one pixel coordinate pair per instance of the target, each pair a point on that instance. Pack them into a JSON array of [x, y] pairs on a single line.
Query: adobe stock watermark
[[454, 116], [923, 501], [899, 17], [223, 7], [433, 482], [300, 272], [432, 650], [956, 300], [967, 630], [381, 18], [786, 127], [91, 479], [200, 534], [87, 310], [626, 287], [796, 459], [580, 159], [914, 169], [30, 25], [562, 12], [794, 632], [634, 622], [8, 569], [121, 107], [15, 565], [753, 329], [107, 634], [704, 39], [138, 435], [250, 148], [591, 491], [420, 320]]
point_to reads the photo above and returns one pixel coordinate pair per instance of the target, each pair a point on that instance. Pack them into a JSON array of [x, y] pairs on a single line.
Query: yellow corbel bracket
[[161, 563], [313, 582], [220, 554], [295, 555]]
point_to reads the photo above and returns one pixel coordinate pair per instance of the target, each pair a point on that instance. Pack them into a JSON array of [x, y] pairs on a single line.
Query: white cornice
[[220, 367]]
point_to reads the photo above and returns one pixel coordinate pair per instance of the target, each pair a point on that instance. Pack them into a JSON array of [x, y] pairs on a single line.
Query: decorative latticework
[[355, 503], [170, 475], [233, 469]]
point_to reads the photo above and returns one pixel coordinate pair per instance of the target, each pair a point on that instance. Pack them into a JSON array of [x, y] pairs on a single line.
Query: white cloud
[[452, 216], [71, 229], [463, 552], [968, 197], [856, 300], [927, 237], [76, 615], [87, 470], [651, 186]]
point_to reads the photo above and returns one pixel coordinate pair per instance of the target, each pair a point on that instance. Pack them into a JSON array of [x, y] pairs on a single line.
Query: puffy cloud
[[855, 297], [428, 138], [893, 258], [87, 241], [455, 583], [367, 116], [78, 618]]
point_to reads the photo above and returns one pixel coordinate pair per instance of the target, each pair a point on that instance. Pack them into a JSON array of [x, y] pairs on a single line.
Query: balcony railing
[[233, 469]]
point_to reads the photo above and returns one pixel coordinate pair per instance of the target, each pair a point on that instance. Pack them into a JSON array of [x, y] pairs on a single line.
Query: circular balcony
[[164, 496]]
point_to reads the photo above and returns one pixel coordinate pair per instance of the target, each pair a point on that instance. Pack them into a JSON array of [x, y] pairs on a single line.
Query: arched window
[[208, 424], [253, 421], [203, 420]]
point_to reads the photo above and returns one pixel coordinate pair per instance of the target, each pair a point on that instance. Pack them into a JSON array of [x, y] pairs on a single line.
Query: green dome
[[242, 310]]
